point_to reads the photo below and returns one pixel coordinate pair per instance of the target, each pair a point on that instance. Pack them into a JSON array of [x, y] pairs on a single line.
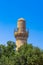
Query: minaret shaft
[[21, 35]]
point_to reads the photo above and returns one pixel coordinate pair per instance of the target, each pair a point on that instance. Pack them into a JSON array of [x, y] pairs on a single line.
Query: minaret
[[21, 34]]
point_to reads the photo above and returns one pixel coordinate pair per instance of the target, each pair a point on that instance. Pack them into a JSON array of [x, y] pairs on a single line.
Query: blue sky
[[31, 11]]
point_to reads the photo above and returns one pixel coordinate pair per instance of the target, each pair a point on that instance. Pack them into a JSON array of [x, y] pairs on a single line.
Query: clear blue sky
[[31, 10]]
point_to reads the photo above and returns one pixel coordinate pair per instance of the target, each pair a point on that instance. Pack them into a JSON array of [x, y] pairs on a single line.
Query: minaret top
[[21, 19]]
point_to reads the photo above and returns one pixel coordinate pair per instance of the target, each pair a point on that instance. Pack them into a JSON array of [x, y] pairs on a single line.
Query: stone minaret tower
[[21, 34]]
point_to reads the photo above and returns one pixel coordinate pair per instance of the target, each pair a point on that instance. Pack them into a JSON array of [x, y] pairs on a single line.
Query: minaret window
[[17, 29]]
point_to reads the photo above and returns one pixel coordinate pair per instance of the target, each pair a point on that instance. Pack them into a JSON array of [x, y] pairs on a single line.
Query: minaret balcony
[[21, 34]]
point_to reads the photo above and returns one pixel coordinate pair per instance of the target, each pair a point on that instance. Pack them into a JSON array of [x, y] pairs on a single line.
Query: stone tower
[[21, 34]]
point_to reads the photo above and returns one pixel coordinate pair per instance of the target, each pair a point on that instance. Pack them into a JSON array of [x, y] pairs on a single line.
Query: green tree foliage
[[26, 55]]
